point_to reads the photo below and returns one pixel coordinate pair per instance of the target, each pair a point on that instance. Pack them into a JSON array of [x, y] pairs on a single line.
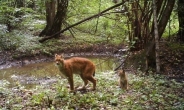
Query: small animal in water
[[76, 65], [123, 82]]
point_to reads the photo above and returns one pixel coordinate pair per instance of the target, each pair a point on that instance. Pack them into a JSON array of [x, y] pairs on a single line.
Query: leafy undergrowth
[[148, 92]]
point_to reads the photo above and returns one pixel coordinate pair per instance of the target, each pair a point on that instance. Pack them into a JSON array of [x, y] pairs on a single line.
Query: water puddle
[[46, 72]]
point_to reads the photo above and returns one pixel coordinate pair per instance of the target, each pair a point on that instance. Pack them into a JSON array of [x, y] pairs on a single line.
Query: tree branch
[[89, 18]]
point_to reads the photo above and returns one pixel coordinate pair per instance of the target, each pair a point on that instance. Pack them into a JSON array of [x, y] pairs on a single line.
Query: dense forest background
[[116, 22], [149, 33]]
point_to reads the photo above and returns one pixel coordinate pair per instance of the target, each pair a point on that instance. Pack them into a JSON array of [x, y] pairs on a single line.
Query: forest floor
[[172, 59], [145, 92]]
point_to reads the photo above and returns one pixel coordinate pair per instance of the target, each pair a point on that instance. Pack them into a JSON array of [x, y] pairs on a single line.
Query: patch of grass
[[148, 92], [176, 46]]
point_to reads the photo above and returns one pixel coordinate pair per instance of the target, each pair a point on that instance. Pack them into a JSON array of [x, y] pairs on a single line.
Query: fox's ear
[[123, 71], [62, 55], [56, 55], [119, 72]]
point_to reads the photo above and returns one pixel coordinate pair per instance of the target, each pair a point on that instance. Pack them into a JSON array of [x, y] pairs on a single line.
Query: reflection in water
[[46, 72]]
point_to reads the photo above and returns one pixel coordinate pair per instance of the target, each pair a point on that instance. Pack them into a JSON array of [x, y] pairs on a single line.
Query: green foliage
[[21, 42], [9, 42], [176, 46], [3, 87], [38, 98], [109, 27], [10, 15], [26, 21], [17, 27], [172, 26], [13, 16], [148, 92]]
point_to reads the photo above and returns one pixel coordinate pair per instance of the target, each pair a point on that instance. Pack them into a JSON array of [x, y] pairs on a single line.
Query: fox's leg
[[93, 80], [88, 75], [126, 85], [85, 81], [70, 80]]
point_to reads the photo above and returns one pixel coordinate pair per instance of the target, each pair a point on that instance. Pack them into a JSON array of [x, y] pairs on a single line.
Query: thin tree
[[181, 20], [156, 37], [164, 15]]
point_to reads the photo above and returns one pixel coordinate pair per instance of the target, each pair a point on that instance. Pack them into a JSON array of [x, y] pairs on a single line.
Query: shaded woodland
[[140, 23], [146, 37], [146, 22]]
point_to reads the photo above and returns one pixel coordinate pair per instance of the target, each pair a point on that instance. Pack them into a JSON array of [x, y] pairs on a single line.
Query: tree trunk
[[50, 14], [86, 19], [136, 27], [166, 12], [156, 37], [54, 25], [165, 16], [181, 20]]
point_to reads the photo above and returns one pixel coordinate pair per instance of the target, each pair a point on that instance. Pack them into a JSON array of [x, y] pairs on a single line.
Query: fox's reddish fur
[[123, 82], [82, 66]]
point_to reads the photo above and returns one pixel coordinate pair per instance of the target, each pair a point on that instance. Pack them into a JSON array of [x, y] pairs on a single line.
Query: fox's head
[[121, 73], [59, 59]]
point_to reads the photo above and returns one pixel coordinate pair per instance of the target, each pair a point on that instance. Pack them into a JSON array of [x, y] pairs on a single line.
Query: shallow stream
[[46, 72]]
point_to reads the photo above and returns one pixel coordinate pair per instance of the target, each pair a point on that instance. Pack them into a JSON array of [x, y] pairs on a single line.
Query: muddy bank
[[41, 58], [7, 63], [8, 60]]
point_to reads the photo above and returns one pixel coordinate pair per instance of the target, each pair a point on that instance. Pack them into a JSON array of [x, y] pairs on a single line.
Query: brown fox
[[123, 82], [82, 66]]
